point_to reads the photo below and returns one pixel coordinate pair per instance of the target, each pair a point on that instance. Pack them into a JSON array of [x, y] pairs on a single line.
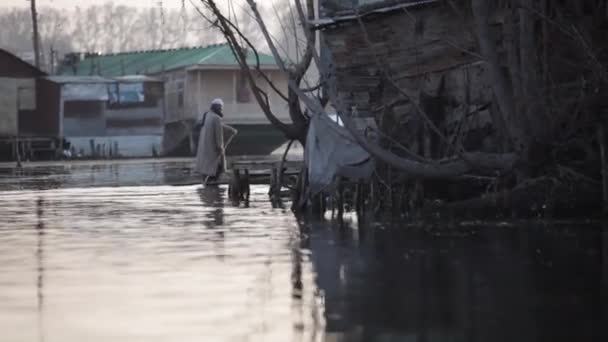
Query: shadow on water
[[471, 283]]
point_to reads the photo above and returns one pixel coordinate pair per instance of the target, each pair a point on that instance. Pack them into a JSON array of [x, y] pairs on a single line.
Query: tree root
[[544, 197]]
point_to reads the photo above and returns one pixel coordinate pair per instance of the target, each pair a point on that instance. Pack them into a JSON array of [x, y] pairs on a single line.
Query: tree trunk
[[532, 115], [511, 43], [503, 90], [500, 85]]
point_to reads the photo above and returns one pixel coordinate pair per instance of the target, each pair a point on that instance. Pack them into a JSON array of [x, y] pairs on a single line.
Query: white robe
[[210, 155]]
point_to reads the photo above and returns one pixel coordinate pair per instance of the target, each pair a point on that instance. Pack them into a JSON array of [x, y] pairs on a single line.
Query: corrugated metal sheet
[[154, 62], [79, 79], [366, 8], [136, 79]]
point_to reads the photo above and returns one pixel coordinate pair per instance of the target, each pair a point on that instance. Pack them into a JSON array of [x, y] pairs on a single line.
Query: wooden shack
[[430, 59], [23, 120]]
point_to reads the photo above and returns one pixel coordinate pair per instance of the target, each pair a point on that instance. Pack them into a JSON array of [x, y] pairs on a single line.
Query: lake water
[[179, 263]]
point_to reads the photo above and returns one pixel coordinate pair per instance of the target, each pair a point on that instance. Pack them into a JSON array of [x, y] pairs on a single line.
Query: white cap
[[217, 101]]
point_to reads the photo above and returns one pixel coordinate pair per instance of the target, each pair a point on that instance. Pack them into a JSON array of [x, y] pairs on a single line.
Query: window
[[243, 92], [26, 98], [132, 95]]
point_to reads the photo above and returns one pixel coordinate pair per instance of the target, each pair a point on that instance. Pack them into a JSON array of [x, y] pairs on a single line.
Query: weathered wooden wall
[[16, 95], [43, 122], [21, 94], [428, 54]]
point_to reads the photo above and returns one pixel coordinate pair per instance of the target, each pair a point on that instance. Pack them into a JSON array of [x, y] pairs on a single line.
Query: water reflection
[[162, 263], [40, 260], [488, 283], [81, 174], [149, 263], [212, 198]]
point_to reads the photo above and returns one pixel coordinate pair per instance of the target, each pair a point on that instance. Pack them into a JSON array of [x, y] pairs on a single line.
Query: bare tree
[[104, 28], [241, 44], [87, 30], [53, 36], [16, 34], [413, 168]]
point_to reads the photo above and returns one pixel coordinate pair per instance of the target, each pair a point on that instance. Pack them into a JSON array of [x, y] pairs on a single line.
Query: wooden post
[[279, 183], [271, 190], [92, 145], [35, 33], [245, 187], [18, 152], [357, 196], [372, 198], [298, 204], [234, 185], [340, 189]]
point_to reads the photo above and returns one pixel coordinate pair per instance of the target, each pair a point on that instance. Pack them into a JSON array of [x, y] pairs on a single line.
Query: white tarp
[[331, 151], [85, 92]]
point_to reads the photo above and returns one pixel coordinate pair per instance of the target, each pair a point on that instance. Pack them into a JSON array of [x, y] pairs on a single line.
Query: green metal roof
[[155, 61]]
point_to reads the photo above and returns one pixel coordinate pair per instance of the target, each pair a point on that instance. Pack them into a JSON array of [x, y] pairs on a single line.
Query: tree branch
[[227, 29]]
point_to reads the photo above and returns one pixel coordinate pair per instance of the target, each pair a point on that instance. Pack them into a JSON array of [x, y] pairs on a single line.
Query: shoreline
[[93, 162]]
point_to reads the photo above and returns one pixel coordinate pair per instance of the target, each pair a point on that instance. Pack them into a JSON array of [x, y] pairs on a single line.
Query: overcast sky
[[82, 3]]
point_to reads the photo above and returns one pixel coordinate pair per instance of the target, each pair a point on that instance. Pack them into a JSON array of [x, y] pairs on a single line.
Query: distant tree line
[[104, 28]]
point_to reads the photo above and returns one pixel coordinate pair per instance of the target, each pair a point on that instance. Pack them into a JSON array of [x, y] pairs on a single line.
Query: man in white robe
[[211, 154]]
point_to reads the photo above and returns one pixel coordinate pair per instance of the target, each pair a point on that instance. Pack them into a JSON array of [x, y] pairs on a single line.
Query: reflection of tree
[[296, 244], [493, 284], [307, 307]]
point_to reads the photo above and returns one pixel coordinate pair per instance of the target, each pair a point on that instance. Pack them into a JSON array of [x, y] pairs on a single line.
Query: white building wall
[[207, 85]]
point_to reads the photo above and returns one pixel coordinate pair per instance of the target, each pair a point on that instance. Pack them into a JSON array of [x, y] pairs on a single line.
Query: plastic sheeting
[[126, 92], [331, 151]]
